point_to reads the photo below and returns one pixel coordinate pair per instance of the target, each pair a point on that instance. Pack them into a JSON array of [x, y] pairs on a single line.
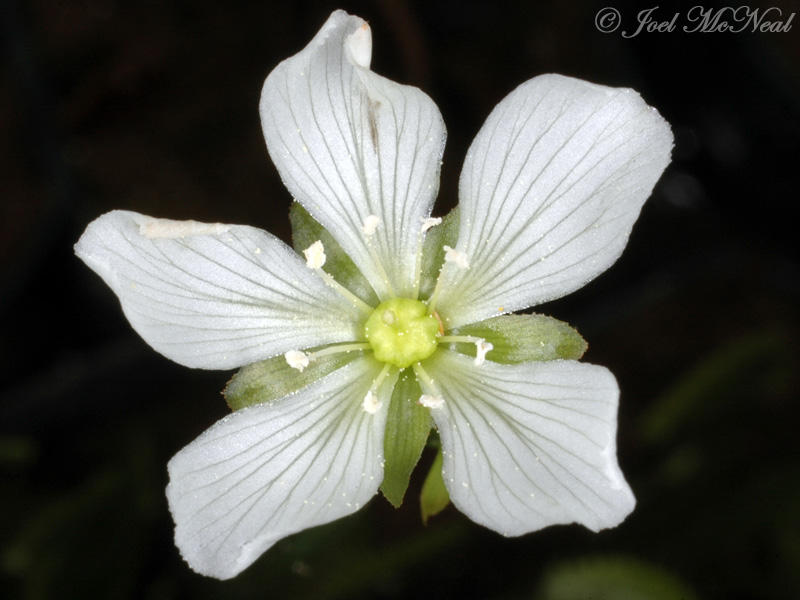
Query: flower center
[[401, 332]]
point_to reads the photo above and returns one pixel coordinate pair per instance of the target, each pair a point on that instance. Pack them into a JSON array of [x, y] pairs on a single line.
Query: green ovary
[[401, 332]]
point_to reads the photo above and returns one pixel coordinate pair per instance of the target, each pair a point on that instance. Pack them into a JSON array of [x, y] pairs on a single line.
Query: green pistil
[[402, 332]]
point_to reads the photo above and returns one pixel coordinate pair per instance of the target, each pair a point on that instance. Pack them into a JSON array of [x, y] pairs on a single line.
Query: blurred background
[[152, 107]]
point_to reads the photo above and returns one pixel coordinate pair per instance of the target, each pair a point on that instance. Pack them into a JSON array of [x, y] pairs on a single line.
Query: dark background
[[152, 107]]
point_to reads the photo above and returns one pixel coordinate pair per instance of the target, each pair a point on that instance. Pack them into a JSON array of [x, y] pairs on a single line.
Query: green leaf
[[407, 427], [273, 378], [434, 497], [306, 231], [612, 578], [523, 338], [444, 234]]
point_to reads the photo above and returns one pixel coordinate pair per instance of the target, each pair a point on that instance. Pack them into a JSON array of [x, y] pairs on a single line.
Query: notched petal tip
[[349, 143], [539, 450]]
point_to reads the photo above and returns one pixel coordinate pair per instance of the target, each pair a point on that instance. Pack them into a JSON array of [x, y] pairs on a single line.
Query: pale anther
[[315, 255], [360, 45], [430, 401], [482, 347], [459, 259], [370, 225], [297, 359], [430, 222], [371, 403], [167, 228]]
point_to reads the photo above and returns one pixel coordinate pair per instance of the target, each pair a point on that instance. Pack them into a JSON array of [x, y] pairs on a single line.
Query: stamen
[[451, 255], [482, 347], [297, 359], [459, 259], [338, 349], [315, 258], [372, 403], [153, 228], [430, 222], [428, 385], [370, 225], [315, 255], [438, 320], [424, 227], [429, 401], [343, 291], [435, 296], [360, 45], [460, 339]]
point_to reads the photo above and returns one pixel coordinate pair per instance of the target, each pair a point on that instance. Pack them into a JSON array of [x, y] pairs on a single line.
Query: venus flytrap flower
[[392, 318]]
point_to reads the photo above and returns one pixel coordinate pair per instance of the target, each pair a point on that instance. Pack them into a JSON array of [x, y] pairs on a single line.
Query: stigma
[[402, 332]]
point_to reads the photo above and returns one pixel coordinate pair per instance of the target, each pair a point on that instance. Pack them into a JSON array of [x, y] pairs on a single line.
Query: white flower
[[549, 191]]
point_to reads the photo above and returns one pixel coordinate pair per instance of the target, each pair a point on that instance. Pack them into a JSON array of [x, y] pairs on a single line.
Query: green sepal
[[273, 378], [524, 338], [407, 427], [436, 238], [306, 230], [434, 497]]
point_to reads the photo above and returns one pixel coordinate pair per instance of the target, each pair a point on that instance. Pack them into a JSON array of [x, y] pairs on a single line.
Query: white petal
[[213, 296], [530, 445], [270, 470], [350, 144], [549, 191]]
